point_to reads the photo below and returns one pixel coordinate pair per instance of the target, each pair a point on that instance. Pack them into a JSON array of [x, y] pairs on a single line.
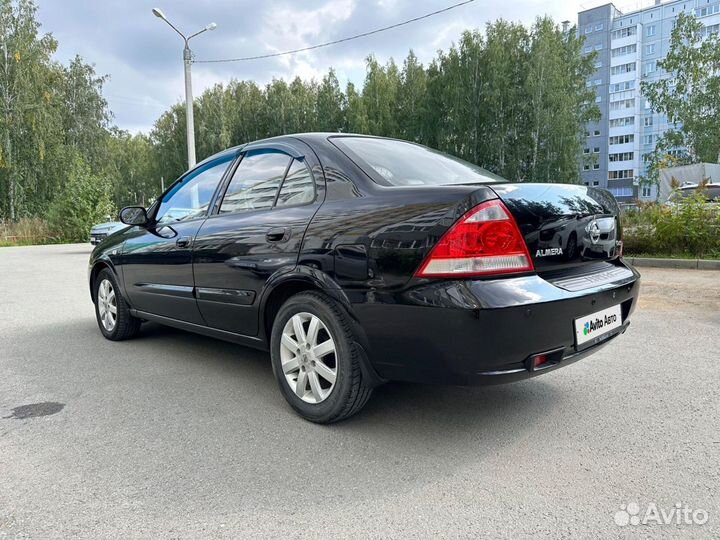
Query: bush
[[689, 229], [84, 201], [25, 231]]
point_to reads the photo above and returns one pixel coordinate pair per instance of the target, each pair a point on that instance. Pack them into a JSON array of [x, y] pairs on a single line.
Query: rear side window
[[400, 163], [256, 182], [298, 187]]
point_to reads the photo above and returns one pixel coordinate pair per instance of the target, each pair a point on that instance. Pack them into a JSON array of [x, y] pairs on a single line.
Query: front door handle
[[183, 241], [278, 234]]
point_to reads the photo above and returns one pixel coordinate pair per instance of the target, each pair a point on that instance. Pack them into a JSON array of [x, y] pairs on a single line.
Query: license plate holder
[[593, 327]]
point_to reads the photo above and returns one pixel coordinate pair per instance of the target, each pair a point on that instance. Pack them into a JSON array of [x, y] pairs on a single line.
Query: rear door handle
[[183, 241], [278, 234]]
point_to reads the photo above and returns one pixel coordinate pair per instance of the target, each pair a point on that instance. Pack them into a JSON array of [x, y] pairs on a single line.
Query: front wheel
[[112, 312], [315, 359]]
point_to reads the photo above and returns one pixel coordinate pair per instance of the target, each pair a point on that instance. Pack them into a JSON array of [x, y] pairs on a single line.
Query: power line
[[335, 42]]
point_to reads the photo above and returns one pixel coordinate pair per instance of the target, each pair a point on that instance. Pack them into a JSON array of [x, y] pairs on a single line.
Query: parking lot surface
[[174, 435]]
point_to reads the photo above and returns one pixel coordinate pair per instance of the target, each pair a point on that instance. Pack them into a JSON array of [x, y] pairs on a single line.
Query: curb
[[692, 264]]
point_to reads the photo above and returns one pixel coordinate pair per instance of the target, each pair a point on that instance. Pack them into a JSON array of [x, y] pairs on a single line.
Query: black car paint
[[361, 243]]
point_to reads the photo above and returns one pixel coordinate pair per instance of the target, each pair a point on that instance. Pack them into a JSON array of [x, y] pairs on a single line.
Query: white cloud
[[143, 56]]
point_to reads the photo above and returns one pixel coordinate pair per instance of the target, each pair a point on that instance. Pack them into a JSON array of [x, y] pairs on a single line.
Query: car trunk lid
[[564, 226]]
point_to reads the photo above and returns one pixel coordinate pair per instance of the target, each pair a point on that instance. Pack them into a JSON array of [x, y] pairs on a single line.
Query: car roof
[[310, 137]]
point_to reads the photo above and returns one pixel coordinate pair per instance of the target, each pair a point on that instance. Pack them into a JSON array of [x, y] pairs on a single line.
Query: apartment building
[[629, 45]]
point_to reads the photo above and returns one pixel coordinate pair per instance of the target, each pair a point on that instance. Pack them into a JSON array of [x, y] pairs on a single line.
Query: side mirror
[[134, 215]]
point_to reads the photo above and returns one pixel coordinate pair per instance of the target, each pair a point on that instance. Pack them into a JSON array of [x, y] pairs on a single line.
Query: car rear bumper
[[486, 331]]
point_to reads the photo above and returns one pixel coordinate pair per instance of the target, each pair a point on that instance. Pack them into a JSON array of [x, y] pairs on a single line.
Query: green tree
[[559, 102], [131, 170], [330, 104], [28, 88], [380, 97], [412, 100], [355, 115], [85, 111], [84, 200], [169, 146], [505, 105]]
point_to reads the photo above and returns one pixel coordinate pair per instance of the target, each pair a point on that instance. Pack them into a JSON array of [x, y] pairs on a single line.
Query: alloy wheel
[[107, 305], [308, 357]]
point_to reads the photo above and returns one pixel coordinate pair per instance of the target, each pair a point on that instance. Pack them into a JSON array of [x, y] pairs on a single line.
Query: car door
[[157, 259], [255, 232]]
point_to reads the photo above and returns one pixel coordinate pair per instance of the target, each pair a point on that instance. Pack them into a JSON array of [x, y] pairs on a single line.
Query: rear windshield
[[400, 163]]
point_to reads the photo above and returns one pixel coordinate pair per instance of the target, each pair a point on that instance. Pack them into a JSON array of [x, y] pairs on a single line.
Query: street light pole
[[187, 60], [189, 112]]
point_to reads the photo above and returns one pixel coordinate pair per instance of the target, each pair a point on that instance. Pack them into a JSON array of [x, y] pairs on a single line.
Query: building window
[[621, 86], [624, 32], [620, 96], [596, 166], [648, 139], [648, 121], [598, 47], [622, 51], [646, 191], [651, 30], [598, 27], [622, 156], [650, 49], [596, 150], [588, 29], [709, 10], [596, 132], [596, 183], [621, 122], [586, 150], [622, 104], [710, 30], [598, 99], [623, 68], [621, 191], [586, 167], [622, 139], [650, 67], [626, 174], [588, 49], [598, 64]]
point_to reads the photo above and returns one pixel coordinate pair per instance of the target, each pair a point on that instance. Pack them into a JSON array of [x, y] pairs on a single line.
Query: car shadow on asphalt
[[409, 408], [397, 415]]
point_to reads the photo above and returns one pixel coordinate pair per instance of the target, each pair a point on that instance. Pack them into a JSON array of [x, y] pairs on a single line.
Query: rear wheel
[[112, 312], [315, 359]]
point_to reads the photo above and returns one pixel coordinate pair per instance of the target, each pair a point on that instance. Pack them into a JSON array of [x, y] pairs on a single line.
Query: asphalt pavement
[[174, 435]]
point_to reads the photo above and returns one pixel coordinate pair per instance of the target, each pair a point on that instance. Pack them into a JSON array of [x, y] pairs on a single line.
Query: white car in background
[[710, 191], [99, 232]]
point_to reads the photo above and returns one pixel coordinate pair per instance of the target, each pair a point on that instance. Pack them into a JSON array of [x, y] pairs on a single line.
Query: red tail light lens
[[484, 241]]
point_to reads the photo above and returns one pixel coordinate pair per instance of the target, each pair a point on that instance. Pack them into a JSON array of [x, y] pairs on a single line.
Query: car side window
[[190, 198], [256, 181], [298, 187]]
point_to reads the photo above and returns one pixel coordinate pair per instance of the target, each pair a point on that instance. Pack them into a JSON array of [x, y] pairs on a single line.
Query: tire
[[118, 326], [322, 401]]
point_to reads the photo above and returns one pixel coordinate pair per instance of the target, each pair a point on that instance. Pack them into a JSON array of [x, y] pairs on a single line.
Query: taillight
[[484, 241]]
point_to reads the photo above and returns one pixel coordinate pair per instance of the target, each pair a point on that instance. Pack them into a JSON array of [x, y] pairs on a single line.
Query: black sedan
[[356, 260]]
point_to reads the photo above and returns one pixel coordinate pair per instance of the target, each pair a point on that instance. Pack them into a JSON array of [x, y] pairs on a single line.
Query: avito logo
[[592, 326]]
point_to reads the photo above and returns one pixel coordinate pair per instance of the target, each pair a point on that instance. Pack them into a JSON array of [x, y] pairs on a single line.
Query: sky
[[143, 56]]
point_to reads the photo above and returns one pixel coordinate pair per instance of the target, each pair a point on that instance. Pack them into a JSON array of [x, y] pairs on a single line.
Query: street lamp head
[[158, 13], [211, 26]]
